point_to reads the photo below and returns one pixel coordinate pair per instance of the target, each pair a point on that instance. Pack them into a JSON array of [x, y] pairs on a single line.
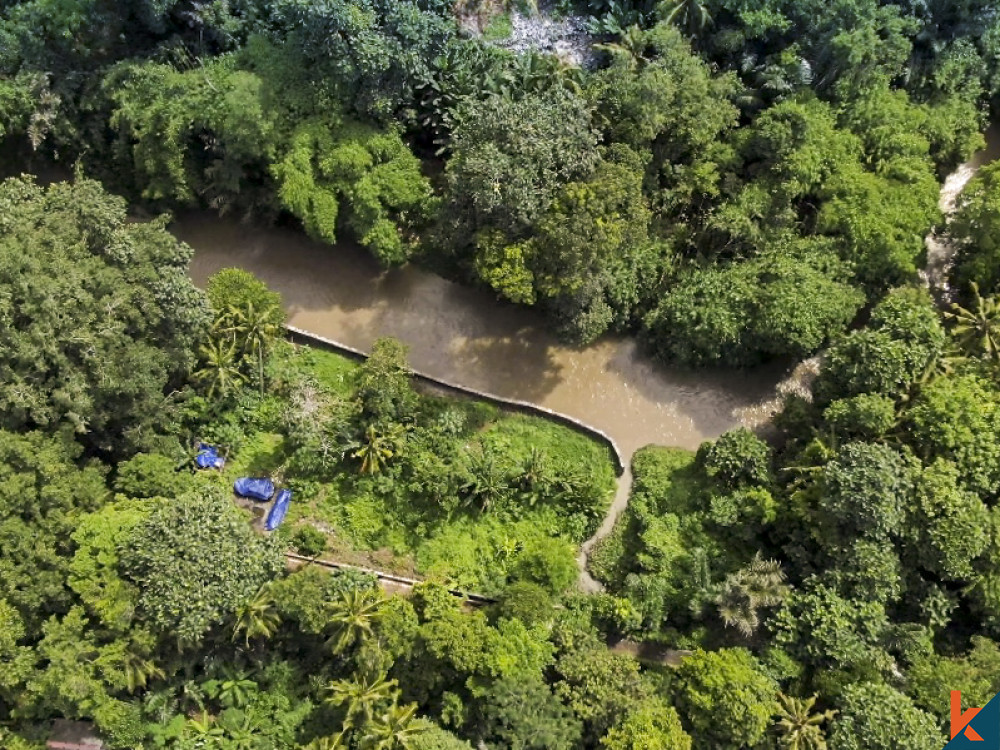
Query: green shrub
[[527, 602], [150, 475], [234, 287], [309, 541], [736, 459]]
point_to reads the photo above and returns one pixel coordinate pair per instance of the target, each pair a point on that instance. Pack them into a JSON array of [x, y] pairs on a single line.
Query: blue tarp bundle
[[257, 488], [208, 457], [278, 510]]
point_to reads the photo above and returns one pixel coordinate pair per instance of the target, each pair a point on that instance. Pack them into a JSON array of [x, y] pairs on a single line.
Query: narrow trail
[[587, 583]]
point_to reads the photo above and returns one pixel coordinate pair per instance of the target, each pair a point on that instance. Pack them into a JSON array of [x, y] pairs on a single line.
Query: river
[[467, 336]]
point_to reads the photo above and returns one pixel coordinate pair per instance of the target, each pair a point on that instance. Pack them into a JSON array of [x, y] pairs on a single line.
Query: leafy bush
[[196, 560], [309, 541]]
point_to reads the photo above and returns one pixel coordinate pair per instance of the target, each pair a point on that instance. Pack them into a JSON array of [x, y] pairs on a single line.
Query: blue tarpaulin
[[257, 488], [208, 457], [278, 510]]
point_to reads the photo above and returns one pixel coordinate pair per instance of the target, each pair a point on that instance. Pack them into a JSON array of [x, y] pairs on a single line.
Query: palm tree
[[353, 616], [161, 705], [205, 729], [361, 694], [139, 670], [760, 584], [193, 694], [487, 482], [242, 729], [629, 47], [256, 327], [377, 449], [393, 729], [690, 15], [798, 728], [235, 688], [977, 329], [220, 371], [258, 617]]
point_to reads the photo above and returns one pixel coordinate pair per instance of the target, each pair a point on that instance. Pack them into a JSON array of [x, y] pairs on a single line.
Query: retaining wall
[[525, 407]]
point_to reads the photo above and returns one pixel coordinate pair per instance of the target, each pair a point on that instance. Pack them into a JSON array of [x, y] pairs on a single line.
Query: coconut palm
[[361, 695], [690, 15], [629, 47], [255, 327], [798, 727], [377, 448], [352, 617], [393, 729], [760, 584], [220, 370], [139, 670], [235, 688], [257, 618], [977, 328], [192, 695]]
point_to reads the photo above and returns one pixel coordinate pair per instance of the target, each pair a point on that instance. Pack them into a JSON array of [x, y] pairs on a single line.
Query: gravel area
[[566, 37]]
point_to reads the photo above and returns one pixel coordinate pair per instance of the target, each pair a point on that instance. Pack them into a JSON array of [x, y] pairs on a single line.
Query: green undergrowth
[[419, 513], [669, 549], [665, 481], [499, 28]]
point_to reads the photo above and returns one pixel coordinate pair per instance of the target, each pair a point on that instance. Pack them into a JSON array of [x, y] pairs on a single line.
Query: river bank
[[466, 336]]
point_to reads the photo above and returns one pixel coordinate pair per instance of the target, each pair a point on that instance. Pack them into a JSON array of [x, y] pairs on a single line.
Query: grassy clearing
[[388, 520]]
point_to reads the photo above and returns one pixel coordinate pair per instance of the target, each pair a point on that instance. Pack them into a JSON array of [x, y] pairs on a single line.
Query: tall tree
[[257, 617], [352, 616], [197, 561], [726, 697], [100, 318], [361, 695]]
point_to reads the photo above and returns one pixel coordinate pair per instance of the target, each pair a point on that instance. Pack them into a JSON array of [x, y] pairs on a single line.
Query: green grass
[[335, 371], [499, 28], [262, 454], [382, 522]]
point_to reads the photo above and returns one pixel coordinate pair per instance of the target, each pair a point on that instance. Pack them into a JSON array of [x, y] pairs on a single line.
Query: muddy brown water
[[467, 336]]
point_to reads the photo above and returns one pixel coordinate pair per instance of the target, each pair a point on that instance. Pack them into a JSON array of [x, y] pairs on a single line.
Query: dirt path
[[586, 582]]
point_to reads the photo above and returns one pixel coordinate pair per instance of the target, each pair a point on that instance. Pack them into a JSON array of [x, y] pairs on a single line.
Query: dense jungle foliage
[[735, 180]]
